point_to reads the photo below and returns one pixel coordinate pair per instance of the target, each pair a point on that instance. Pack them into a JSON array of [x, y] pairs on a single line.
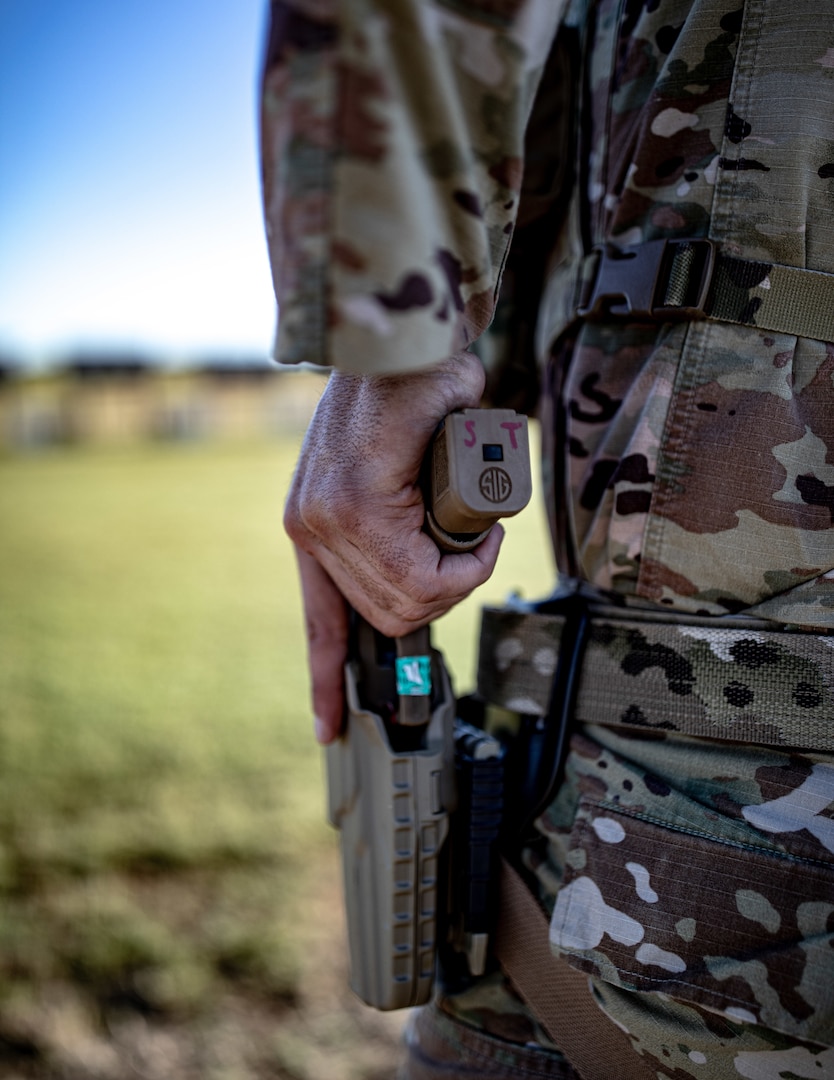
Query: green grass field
[[165, 868]]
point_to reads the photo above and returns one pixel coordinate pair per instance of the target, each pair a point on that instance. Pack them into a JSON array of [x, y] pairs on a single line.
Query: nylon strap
[[694, 279], [785, 299], [559, 996], [698, 678]]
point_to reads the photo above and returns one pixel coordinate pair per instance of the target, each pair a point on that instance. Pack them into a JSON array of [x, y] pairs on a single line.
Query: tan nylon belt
[[751, 685], [558, 995]]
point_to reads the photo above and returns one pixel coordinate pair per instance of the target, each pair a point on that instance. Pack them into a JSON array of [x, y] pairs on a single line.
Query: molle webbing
[[696, 279], [697, 678]]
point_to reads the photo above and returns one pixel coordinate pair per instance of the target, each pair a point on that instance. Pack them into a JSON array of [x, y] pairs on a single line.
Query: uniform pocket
[[733, 927]]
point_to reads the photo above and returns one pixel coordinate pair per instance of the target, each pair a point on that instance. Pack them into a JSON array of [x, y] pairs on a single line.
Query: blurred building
[[120, 399]]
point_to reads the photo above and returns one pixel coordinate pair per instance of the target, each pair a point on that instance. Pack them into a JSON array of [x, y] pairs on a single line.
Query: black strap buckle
[[661, 279]]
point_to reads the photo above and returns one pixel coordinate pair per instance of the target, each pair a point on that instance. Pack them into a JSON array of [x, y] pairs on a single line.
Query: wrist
[[415, 398]]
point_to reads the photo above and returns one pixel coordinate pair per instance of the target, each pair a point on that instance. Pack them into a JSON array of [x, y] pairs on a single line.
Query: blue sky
[[129, 201]]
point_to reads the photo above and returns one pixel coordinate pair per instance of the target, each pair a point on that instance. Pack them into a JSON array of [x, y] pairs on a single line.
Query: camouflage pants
[[694, 882]]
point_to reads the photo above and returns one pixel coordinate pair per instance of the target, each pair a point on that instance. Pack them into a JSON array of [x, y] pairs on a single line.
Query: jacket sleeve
[[392, 136]]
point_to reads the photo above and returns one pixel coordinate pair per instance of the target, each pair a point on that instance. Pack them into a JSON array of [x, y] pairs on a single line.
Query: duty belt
[[730, 679], [694, 278]]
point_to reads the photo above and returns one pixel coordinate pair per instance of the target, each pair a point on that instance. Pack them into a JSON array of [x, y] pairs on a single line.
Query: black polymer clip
[[547, 735]]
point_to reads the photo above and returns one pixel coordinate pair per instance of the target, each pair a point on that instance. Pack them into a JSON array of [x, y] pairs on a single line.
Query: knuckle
[[333, 513], [297, 528], [310, 513], [314, 519], [293, 525]]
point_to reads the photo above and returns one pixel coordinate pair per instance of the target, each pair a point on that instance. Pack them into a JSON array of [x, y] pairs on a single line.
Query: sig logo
[[495, 484]]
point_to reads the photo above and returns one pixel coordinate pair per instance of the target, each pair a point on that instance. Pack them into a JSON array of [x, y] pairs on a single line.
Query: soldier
[[649, 186]]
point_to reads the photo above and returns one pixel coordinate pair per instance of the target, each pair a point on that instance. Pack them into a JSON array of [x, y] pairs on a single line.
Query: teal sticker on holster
[[413, 676]]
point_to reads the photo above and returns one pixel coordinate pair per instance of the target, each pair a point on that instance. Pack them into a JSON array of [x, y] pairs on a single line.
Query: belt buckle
[[660, 279]]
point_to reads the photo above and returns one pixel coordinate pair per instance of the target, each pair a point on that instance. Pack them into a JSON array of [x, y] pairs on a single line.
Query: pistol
[[393, 782]]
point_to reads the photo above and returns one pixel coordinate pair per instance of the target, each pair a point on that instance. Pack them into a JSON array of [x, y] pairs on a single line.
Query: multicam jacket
[[423, 156]]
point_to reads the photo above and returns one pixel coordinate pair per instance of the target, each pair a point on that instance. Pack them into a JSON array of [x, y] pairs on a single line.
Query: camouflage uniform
[[422, 157]]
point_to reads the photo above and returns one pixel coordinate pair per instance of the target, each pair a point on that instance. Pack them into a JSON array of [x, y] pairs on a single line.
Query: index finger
[[326, 617]]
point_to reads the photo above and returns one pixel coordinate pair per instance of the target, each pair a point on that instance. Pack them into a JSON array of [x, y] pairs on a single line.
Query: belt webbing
[[557, 994], [786, 299], [694, 278], [760, 686]]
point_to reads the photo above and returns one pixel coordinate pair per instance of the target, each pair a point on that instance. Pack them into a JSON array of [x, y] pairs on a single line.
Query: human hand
[[355, 513]]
